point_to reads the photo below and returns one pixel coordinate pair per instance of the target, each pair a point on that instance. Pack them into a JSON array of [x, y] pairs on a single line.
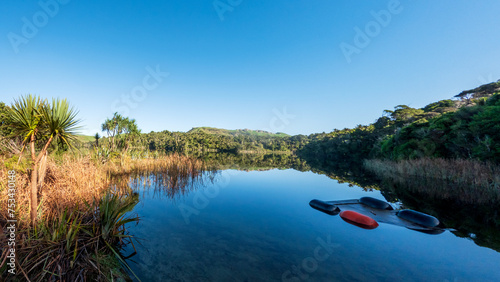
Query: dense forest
[[206, 139], [465, 127]]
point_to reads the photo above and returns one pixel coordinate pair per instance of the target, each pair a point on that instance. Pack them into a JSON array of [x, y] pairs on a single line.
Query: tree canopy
[[118, 125]]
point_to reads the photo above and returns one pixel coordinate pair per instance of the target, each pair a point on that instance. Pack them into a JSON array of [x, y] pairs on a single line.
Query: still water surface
[[258, 226]]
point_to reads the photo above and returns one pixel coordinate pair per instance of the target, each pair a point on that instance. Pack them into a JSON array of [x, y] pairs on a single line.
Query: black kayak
[[381, 211]]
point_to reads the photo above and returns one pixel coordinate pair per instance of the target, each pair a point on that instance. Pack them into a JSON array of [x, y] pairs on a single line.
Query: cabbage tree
[[39, 122]]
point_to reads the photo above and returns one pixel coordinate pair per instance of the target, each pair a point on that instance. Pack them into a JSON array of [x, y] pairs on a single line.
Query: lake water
[[258, 226]]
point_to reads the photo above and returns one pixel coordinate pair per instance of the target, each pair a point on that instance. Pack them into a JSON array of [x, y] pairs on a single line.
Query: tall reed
[[80, 223], [466, 181]]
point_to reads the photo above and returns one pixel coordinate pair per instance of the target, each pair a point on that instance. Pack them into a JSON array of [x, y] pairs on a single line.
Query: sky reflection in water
[[258, 226]]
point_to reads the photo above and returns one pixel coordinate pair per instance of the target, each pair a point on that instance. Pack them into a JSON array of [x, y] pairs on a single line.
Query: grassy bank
[[81, 216], [463, 181]]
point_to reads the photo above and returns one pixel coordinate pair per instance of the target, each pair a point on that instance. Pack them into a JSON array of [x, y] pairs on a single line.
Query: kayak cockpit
[[367, 209]]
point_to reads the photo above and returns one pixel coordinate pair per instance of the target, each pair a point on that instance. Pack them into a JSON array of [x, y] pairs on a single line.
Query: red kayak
[[358, 219]]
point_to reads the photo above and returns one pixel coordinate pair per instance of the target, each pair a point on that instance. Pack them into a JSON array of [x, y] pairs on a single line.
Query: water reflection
[[259, 227], [351, 173], [480, 223], [166, 180], [264, 222], [164, 185]]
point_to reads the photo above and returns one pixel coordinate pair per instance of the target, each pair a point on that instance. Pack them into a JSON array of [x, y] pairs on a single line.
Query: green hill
[[85, 138], [236, 132]]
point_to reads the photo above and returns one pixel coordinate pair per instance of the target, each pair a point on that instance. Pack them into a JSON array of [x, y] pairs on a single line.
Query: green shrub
[[23, 166]]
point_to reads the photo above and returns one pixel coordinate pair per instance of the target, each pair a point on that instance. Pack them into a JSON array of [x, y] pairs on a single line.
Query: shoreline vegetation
[[81, 218], [461, 181], [74, 194]]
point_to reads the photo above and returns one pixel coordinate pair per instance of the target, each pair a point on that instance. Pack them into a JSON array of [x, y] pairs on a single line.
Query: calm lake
[[258, 226]]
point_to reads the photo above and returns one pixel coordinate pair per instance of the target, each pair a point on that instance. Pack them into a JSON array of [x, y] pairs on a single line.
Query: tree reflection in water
[[478, 222]]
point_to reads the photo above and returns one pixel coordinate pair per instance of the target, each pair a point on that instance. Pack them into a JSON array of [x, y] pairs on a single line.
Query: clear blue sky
[[237, 66]]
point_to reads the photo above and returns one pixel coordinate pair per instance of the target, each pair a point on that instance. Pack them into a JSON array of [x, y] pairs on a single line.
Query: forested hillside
[[466, 127], [471, 132], [221, 140], [236, 132]]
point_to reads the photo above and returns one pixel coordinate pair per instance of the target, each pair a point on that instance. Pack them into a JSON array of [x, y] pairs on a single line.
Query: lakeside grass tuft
[[464, 181], [84, 207]]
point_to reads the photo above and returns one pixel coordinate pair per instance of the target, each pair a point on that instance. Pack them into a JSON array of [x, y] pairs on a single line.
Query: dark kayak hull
[[381, 213], [418, 218], [324, 207]]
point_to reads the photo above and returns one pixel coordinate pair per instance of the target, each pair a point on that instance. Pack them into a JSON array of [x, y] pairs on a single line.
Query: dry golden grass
[[73, 180], [72, 199], [175, 163], [67, 185], [172, 175], [465, 181]]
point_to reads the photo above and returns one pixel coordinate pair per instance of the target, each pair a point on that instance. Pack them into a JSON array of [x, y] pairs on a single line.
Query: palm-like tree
[[35, 120], [97, 137], [113, 127], [118, 125], [60, 123], [132, 132]]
